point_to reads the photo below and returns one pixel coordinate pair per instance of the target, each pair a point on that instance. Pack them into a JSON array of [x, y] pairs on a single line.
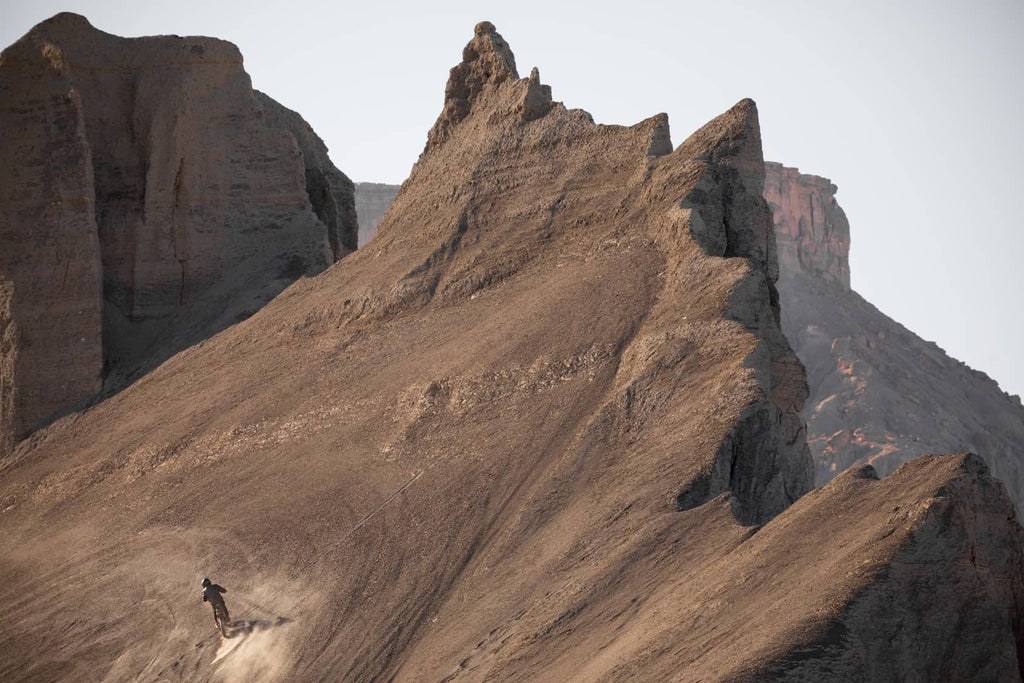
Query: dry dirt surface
[[545, 427]]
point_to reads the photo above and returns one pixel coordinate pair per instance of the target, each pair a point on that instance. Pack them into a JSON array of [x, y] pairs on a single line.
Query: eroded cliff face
[[330, 192], [879, 393], [199, 198], [51, 277]]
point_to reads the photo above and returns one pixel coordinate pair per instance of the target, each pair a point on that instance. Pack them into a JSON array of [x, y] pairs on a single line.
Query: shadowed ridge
[[661, 137], [713, 183], [732, 141]]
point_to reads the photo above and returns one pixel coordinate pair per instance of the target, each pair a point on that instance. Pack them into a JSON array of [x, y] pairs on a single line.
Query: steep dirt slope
[[148, 199], [524, 435], [879, 393]]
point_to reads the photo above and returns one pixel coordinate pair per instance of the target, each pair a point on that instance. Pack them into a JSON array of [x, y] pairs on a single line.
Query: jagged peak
[[487, 64], [487, 61], [64, 21], [491, 52], [731, 143], [661, 136], [537, 99], [734, 132]]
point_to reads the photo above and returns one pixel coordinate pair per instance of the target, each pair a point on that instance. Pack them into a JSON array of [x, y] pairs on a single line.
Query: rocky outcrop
[[545, 426], [372, 201], [879, 393], [810, 226], [149, 164], [487, 61]]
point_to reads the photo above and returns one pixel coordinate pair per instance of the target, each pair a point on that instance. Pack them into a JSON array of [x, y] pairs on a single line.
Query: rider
[[211, 594]]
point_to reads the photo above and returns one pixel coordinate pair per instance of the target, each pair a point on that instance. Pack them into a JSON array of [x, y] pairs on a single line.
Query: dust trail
[[380, 507], [258, 646], [261, 655]]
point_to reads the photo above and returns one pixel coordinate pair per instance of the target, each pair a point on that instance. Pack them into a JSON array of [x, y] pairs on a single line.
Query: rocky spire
[[537, 101], [487, 61]]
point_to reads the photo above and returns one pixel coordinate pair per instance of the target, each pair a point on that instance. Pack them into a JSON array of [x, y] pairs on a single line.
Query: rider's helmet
[[206, 582]]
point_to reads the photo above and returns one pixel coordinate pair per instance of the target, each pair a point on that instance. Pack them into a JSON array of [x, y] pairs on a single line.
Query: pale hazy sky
[[912, 108]]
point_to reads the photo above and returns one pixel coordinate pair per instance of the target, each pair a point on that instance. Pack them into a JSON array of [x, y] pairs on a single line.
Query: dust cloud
[[259, 644]]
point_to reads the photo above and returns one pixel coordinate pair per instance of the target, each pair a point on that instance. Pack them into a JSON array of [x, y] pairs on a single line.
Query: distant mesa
[[880, 394], [811, 228], [148, 198], [372, 202]]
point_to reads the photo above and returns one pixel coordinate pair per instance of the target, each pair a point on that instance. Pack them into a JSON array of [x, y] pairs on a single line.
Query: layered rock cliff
[[149, 199], [330, 192], [811, 228], [879, 393], [51, 276], [545, 426]]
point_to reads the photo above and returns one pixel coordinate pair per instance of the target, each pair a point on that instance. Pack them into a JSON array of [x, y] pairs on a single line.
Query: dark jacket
[[212, 593]]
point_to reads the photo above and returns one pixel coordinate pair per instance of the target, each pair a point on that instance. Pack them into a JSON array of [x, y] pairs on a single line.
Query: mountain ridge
[[853, 357], [544, 426]]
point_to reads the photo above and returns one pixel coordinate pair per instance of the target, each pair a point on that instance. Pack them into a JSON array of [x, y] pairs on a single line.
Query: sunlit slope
[[524, 435]]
